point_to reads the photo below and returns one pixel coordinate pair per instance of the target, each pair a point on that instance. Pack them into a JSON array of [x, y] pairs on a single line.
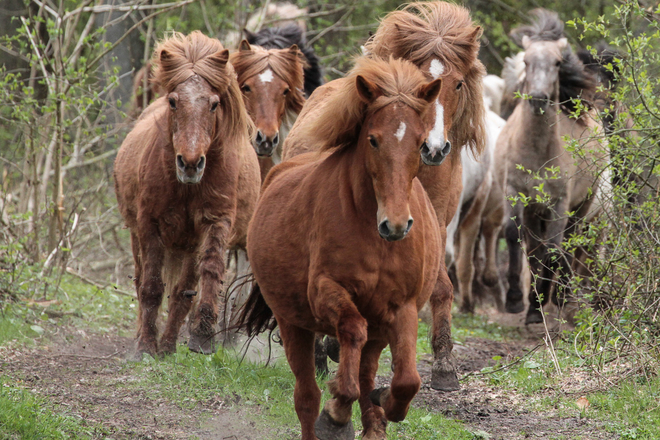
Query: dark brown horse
[[272, 85], [187, 182], [334, 250], [441, 39]]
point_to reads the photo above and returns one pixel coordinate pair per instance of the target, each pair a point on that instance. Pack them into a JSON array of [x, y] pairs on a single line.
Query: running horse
[[187, 182], [347, 244], [440, 39], [272, 84], [538, 140]]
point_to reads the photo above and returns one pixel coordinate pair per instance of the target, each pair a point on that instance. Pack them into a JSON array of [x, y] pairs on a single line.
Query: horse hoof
[[442, 380], [534, 317], [327, 429], [332, 348], [514, 306], [376, 395], [201, 344]]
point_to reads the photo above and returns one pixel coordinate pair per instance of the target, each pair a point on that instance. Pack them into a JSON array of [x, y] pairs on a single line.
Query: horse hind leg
[[514, 296], [181, 297], [298, 346], [406, 382], [335, 306], [443, 374]]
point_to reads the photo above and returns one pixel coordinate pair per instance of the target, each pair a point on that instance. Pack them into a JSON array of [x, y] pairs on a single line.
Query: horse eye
[[173, 103], [214, 106], [460, 84], [286, 91], [372, 142], [558, 63], [246, 88]]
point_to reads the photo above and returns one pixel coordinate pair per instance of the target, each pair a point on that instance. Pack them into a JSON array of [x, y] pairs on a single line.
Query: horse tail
[[256, 317]]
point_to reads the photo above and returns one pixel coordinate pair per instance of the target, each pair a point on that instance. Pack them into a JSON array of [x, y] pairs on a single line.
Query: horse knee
[[443, 292], [352, 332], [406, 388]]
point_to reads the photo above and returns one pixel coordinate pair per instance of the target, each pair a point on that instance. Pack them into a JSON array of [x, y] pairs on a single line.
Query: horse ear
[[430, 92], [249, 35], [244, 46], [562, 43], [526, 41], [294, 49], [367, 91], [220, 58], [164, 55], [476, 34]]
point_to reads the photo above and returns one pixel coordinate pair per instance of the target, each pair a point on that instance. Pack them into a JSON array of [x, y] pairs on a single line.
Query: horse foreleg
[[374, 422], [492, 224], [212, 274], [335, 306], [469, 233], [299, 346], [180, 302], [443, 374], [406, 382], [514, 296], [151, 290]]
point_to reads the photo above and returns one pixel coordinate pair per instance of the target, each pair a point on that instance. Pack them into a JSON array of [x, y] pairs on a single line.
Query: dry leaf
[[582, 403]]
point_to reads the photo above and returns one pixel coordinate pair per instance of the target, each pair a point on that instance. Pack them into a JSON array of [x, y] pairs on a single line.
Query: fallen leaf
[[582, 403]]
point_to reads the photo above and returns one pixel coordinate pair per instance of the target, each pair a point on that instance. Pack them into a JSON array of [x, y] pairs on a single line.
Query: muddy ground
[[88, 379]]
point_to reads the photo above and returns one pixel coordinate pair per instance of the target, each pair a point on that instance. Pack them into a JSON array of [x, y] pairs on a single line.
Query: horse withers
[[345, 242], [187, 182]]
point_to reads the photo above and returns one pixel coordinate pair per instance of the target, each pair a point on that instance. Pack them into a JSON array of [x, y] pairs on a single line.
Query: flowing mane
[[340, 121], [284, 37], [179, 57], [444, 31], [575, 81], [285, 63]]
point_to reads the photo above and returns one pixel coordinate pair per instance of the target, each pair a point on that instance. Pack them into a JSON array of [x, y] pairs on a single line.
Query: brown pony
[[329, 240], [441, 39], [187, 182], [272, 86]]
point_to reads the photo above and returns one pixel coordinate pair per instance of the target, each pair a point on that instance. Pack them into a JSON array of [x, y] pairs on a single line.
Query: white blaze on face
[[267, 76], [436, 140], [401, 132], [436, 69]]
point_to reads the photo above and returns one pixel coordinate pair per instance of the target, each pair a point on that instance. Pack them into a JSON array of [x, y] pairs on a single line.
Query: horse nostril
[[180, 163], [447, 149], [276, 139], [410, 223], [260, 137], [201, 163], [384, 228]]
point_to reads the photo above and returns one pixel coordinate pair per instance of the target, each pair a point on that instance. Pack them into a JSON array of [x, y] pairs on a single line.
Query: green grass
[[26, 416]]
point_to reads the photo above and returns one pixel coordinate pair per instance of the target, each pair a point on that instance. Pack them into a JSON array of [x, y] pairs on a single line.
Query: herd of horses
[[351, 198]]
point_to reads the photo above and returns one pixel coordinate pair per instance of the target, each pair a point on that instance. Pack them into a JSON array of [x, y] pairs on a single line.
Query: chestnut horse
[[334, 250], [272, 85], [187, 182], [441, 39]]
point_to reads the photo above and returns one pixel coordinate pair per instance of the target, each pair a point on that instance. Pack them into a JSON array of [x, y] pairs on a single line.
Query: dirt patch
[[85, 375]]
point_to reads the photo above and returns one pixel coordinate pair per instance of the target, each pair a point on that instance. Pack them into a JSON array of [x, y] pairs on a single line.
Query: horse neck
[[358, 183]]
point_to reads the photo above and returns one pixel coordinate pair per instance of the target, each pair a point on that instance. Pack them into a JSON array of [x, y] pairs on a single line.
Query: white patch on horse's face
[[267, 76], [436, 140], [401, 132], [436, 69]]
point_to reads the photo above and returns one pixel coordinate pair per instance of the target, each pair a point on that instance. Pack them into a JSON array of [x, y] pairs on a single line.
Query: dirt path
[[88, 378]]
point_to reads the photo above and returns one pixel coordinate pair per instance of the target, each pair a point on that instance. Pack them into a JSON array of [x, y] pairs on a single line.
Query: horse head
[[271, 82], [543, 60], [392, 136]]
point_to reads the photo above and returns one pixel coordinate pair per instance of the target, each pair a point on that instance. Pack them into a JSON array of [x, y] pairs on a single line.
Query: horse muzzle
[[390, 232], [187, 173], [435, 156], [540, 103], [265, 145]]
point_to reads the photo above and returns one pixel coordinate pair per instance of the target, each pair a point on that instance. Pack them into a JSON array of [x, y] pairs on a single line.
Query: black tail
[[256, 316]]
